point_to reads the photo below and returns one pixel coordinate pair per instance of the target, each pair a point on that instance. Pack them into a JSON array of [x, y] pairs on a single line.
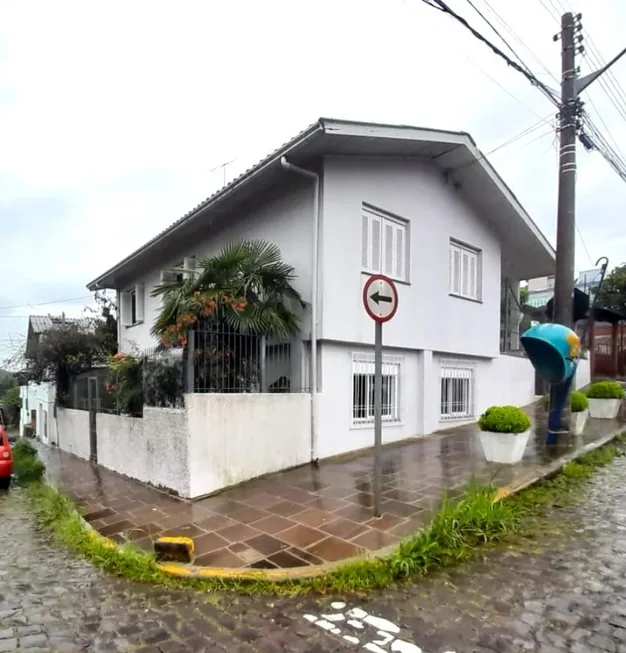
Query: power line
[[54, 301], [506, 90], [442, 6], [509, 29]]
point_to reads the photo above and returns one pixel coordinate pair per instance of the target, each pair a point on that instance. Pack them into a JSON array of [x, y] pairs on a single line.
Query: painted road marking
[[379, 638]]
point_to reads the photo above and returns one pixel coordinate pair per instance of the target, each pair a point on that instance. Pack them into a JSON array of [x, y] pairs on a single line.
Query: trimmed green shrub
[[579, 402], [504, 419], [606, 390]]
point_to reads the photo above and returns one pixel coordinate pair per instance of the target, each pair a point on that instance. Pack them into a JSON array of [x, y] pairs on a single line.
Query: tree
[[612, 293], [63, 352], [245, 288], [12, 402], [70, 348]]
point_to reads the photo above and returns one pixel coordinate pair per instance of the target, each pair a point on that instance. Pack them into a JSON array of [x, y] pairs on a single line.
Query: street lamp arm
[[582, 83]]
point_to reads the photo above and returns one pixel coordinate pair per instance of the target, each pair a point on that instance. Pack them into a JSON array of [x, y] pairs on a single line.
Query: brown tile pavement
[[304, 516]]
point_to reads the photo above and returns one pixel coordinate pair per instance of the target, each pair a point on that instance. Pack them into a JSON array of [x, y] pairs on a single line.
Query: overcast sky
[[114, 115]]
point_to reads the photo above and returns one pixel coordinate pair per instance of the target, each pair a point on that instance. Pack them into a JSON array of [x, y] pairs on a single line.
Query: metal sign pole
[[378, 413], [380, 300]]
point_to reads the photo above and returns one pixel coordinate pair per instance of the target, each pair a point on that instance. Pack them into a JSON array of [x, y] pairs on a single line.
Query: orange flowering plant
[[125, 382], [245, 288]]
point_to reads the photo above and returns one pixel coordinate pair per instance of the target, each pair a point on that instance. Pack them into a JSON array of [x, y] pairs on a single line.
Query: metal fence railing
[[214, 360], [223, 360], [164, 378]]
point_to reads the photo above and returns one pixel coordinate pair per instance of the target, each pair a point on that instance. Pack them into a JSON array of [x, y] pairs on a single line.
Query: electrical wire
[[442, 6], [54, 301], [509, 29], [592, 139], [506, 90]]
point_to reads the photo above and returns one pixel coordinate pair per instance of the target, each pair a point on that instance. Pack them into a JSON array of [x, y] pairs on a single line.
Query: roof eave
[[106, 280]]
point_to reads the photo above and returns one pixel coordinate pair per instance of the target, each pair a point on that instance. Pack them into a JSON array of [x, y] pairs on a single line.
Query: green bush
[[28, 470], [23, 448], [579, 402], [504, 419], [27, 466], [606, 390]]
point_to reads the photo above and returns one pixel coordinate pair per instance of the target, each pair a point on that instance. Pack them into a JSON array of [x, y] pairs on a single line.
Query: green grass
[[459, 530]]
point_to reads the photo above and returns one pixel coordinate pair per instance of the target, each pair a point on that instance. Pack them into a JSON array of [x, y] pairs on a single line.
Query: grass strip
[[458, 531]]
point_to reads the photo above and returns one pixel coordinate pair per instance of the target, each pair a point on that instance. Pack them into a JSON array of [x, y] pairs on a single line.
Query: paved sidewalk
[[308, 516]]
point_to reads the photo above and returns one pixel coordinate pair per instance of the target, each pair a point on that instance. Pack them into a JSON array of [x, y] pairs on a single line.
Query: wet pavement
[[563, 590], [306, 516]]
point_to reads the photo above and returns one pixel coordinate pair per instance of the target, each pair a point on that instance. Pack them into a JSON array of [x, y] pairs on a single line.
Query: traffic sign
[[380, 298]]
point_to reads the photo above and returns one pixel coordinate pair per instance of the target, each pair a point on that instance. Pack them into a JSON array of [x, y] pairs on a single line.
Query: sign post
[[380, 299]]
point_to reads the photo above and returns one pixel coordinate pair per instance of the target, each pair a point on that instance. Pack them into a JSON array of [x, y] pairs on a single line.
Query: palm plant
[[245, 288]]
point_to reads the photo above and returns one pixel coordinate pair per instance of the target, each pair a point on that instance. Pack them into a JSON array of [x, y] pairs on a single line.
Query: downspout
[[314, 296]]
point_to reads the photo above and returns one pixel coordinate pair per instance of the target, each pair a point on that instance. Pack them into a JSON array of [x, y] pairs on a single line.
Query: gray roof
[[43, 323], [453, 153]]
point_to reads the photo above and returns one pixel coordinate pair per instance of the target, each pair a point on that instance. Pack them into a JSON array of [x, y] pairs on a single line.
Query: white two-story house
[[345, 200]]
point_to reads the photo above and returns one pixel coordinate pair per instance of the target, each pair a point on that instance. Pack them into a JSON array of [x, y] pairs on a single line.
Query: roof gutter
[[100, 282], [314, 295]]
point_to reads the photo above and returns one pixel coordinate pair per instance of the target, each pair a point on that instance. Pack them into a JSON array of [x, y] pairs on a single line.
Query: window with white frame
[[465, 273], [384, 244], [363, 389], [458, 380], [132, 305]]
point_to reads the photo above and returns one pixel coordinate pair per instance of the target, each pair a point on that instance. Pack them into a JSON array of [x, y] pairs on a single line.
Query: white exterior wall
[[73, 431], [237, 437], [284, 221], [583, 373], [428, 317], [39, 397], [336, 432], [152, 449]]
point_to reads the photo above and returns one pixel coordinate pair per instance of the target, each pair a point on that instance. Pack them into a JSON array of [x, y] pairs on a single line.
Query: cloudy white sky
[[114, 116]]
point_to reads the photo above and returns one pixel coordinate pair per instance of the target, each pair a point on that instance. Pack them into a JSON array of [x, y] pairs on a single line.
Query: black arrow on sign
[[377, 297]]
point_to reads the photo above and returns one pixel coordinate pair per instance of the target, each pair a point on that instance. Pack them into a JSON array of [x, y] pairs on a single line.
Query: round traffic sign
[[380, 298]]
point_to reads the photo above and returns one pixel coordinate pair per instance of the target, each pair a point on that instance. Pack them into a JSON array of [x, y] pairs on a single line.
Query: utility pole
[[566, 212], [569, 126]]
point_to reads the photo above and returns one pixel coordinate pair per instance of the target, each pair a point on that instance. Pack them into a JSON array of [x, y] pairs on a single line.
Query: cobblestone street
[[564, 591]]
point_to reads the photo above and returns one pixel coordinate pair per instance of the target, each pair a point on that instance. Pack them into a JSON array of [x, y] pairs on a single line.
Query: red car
[[6, 460]]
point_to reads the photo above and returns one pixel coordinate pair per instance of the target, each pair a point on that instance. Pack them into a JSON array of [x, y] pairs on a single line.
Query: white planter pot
[[604, 408], [507, 448], [577, 422]]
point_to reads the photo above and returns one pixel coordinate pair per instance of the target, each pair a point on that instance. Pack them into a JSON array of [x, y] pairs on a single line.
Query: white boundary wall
[[218, 440], [152, 449], [73, 431]]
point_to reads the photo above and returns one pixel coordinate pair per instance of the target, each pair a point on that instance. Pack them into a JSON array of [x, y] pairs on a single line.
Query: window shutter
[[465, 274], [365, 242], [375, 247], [400, 253], [126, 310], [455, 276], [139, 302], [388, 249], [473, 277]]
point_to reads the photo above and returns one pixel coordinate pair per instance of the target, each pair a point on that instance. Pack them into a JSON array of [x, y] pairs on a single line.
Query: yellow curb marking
[[502, 493], [175, 570], [187, 542]]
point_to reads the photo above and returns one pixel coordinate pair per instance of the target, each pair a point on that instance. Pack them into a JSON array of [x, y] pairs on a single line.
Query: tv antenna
[[223, 167]]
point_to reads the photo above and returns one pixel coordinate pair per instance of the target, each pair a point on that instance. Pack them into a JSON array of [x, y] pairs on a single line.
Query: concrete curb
[[189, 571]]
